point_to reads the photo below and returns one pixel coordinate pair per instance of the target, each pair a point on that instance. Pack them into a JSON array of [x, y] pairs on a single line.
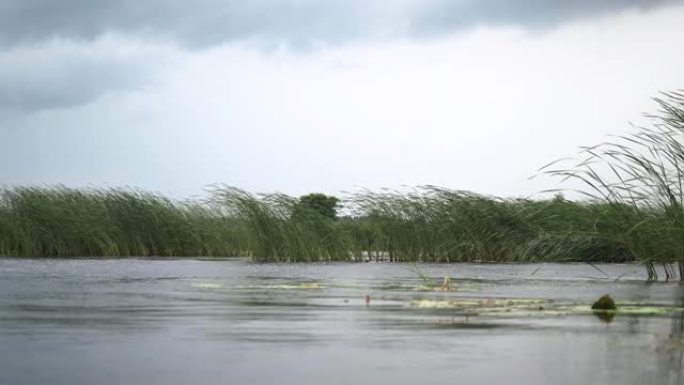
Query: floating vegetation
[[604, 303], [435, 286], [299, 286], [207, 285], [522, 307], [286, 286], [489, 304]]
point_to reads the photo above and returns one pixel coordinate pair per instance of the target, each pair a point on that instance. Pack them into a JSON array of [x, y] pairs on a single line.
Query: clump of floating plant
[[604, 308], [605, 302], [640, 177]]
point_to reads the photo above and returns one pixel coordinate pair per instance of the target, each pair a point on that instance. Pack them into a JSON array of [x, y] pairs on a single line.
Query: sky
[[299, 96]]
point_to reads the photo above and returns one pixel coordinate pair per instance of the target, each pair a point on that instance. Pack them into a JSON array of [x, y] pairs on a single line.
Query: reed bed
[[643, 171], [432, 224], [59, 221], [426, 224], [280, 229]]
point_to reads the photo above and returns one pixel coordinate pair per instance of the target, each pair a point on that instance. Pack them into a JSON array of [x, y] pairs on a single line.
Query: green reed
[[425, 224], [59, 221], [644, 171], [279, 228], [432, 224]]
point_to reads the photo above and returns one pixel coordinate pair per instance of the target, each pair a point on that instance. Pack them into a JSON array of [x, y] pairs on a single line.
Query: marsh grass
[[424, 224], [59, 221], [432, 224], [427, 224], [279, 229], [643, 171]]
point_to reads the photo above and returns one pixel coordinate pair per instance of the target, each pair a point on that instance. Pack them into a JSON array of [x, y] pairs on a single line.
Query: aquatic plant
[[279, 228], [425, 224], [604, 303], [640, 176], [431, 224], [60, 221]]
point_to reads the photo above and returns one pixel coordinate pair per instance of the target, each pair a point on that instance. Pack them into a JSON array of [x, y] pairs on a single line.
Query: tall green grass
[[59, 221], [426, 224], [279, 228], [432, 224], [644, 171]]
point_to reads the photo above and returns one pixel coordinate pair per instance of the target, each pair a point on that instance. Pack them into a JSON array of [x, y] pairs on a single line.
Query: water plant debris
[[604, 303]]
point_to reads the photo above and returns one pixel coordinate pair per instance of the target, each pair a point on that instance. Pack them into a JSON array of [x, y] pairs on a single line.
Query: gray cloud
[[193, 24], [294, 22], [445, 15], [52, 53], [62, 74]]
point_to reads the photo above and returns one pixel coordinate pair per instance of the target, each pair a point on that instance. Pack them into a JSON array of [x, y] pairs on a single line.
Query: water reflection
[[605, 316]]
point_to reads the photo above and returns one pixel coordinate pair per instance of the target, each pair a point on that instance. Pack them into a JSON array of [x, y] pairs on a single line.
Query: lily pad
[[207, 285]]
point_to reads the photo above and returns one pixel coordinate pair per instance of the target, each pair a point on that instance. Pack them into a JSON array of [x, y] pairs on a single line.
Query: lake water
[[234, 322]]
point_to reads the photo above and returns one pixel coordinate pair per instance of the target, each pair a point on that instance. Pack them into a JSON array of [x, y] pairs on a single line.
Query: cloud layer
[[443, 16], [59, 74], [57, 54], [295, 23]]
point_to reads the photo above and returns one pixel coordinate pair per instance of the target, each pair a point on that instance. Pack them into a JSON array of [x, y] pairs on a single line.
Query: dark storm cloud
[[41, 69], [74, 85], [203, 23], [191, 23], [444, 16], [63, 75]]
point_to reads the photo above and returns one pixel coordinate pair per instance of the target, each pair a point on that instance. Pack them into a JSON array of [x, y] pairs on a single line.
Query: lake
[[173, 321]]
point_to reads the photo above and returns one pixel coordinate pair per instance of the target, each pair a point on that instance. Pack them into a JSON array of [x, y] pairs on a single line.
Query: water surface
[[234, 322]]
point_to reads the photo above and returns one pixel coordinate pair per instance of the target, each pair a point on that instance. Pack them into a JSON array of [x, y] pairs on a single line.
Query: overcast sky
[[309, 95]]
